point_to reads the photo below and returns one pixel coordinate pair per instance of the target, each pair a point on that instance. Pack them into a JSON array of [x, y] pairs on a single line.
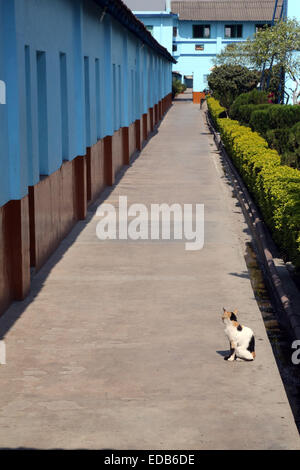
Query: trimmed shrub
[[278, 139], [278, 124], [279, 200], [283, 115], [244, 112], [291, 156], [276, 116], [215, 110], [287, 143], [249, 151], [275, 188], [260, 121], [253, 97]]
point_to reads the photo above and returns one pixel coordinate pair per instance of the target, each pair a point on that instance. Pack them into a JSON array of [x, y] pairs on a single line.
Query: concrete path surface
[[121, 344]]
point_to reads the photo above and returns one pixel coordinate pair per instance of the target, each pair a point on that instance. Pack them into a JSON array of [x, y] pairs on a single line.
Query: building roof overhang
[[118, 10]]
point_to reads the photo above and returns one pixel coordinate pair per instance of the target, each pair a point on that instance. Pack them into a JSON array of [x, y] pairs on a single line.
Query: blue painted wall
[[5, 167], [199, 62], [189, 61], [71, 79], [161, 24]]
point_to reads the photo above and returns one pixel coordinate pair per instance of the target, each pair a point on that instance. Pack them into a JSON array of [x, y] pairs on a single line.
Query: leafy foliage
[[274, 117], [270, 46], [275, 83], [275, 187], [216, 110], [279, 125], [229, 81], [177, 87], [255, 97], [287, 143], [243, 113]]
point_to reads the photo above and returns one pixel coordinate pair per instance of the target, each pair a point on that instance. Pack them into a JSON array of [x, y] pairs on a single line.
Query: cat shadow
[[223, 353]]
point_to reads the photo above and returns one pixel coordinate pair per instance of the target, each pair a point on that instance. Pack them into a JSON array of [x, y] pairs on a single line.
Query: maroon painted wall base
[[14, 252], [32, 228]]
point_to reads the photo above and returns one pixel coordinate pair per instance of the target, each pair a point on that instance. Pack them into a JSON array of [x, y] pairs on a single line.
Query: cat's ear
[[235, 311], [224, 309]]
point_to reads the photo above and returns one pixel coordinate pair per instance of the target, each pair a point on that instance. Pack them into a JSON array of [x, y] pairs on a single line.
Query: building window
[[205, 79], [174, 47], [201, 31], [149, 27], [261, 26], [199, 47], [233, 31], [175, 31]]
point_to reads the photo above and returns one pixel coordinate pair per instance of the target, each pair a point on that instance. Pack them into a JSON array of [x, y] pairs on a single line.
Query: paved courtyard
[[120, 344]]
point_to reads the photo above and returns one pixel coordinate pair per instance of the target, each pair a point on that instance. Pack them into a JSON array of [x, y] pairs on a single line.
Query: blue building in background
[[195, 31], [82, 85]]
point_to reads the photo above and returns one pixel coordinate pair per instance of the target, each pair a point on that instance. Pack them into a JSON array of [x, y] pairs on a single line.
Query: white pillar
[[293, 11]]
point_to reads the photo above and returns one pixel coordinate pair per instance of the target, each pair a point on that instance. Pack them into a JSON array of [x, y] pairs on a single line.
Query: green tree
[[229, 81], [177, 87], [276, 45], [232, 54]]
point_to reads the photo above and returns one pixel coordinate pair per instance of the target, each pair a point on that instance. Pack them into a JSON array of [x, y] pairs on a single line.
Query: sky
[[146, 5]]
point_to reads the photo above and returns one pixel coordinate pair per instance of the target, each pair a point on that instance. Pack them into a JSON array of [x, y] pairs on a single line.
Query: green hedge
[[278, 124], [215, 110], [244, 112], [276, 116], [287, 143], [275, 188], [254, 97], [291, 155]]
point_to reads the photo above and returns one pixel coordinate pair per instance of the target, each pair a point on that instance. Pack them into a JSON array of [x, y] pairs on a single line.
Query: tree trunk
[[296, 93]]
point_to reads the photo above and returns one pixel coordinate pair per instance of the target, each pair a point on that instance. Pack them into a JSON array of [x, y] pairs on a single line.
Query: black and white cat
[[241, 338]]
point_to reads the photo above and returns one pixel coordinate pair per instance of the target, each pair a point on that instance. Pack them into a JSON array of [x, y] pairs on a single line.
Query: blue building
[[195, 31], [82, 84]]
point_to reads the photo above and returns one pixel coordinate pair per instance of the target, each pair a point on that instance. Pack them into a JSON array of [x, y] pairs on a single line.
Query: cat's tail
[[251, 347]]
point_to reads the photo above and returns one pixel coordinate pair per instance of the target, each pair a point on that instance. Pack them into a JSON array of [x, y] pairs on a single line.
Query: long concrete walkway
[[120, 344]]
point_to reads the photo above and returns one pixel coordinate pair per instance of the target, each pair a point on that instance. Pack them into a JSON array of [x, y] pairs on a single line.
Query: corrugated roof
[[224, 10]]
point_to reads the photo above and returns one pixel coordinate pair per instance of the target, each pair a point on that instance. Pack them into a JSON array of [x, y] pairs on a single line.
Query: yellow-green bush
[[215, 110], [275, 187]]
